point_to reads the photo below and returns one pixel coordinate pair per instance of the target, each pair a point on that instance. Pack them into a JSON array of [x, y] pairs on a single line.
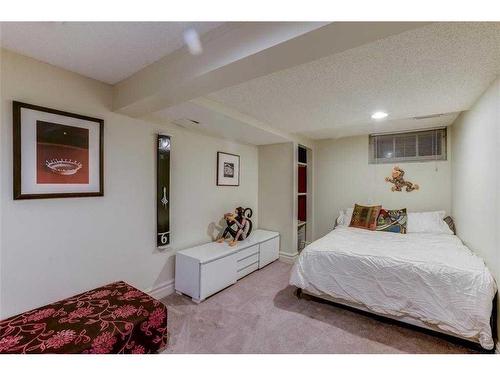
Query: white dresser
[[203, 270]]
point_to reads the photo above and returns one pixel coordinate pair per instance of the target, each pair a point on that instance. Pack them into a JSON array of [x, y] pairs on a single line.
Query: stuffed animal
[[239, 225], [399, 182]]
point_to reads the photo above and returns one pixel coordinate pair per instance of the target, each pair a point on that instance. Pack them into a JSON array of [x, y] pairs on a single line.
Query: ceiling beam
[[251, 122], [235, 53]]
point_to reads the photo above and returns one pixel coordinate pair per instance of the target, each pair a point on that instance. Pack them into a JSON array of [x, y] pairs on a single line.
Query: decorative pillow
[[392, 220], [428, 222], [365, 217], [344, 218]]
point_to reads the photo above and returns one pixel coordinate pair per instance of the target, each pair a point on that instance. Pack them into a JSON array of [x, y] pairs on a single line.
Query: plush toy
[[399, 182], [239, 225]]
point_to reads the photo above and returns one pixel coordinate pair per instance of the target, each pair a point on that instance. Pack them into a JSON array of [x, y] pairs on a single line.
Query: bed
[[426, 279]]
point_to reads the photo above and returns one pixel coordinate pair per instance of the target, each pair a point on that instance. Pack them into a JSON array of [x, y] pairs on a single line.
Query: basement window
[[426, 145]]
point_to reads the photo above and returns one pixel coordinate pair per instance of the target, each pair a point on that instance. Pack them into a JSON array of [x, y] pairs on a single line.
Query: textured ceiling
[[106, 51], [441, 68]]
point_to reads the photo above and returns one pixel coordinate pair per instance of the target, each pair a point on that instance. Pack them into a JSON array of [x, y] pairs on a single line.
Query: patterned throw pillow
[[365, 217], [392, 220]]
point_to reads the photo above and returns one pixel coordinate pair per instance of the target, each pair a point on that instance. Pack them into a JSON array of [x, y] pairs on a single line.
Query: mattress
[[433, 278]]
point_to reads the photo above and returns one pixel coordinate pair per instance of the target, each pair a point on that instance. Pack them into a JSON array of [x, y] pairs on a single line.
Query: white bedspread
[[430, 277]]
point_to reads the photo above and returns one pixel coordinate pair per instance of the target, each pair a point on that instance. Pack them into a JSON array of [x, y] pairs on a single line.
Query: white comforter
[[433, 278]]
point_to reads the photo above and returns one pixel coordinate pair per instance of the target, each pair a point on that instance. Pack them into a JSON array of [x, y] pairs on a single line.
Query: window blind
[[426, 145]]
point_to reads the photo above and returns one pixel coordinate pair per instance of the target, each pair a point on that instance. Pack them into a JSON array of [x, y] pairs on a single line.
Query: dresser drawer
[[247, 252], [248, 269], [245, 262]]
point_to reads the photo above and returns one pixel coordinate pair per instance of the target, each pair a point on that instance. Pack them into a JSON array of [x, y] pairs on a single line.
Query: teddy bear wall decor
[[397, 178], [239, 225]]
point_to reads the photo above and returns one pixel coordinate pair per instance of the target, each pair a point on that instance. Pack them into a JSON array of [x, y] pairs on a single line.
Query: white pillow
[[427, 222], [345, 216]]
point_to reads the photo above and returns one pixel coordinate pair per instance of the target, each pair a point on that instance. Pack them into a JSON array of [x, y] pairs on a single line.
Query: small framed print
[[228, 169], [56, 154]]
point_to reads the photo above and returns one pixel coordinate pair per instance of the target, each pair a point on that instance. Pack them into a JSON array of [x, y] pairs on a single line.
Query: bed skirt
[[404, 319]]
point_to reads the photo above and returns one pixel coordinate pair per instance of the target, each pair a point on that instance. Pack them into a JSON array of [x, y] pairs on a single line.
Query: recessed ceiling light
[[379, 115]]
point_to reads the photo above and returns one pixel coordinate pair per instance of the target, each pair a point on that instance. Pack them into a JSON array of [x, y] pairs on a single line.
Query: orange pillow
[[365, 217]]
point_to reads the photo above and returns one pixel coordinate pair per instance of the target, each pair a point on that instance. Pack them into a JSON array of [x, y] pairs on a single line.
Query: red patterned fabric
[[116, 318]]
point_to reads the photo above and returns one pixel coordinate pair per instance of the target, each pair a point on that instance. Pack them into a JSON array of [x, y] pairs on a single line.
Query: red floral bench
[[116, 318]]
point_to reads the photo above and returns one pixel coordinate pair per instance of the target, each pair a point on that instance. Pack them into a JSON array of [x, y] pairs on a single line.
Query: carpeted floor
[[261, 314]]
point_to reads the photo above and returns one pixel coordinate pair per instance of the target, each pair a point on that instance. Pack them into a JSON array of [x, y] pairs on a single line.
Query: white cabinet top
[[260, 235], [213, 250]]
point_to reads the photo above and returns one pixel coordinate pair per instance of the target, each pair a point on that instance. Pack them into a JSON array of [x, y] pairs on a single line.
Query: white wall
[[54, 248], [344, 177], [476, 178], [277, 194]]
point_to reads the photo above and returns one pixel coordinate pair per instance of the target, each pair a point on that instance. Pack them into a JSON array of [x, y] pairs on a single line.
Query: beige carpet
[[261, 314]]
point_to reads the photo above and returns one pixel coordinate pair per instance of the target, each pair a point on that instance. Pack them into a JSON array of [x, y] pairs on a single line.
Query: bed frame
[[407, 319]]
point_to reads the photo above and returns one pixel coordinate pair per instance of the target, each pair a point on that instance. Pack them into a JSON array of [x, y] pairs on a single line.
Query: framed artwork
[[228, 169], [162, 190], [56, 154]]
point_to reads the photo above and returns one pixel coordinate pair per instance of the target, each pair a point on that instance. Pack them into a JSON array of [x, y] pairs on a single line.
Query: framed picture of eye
[[228, 169], [56, 154]]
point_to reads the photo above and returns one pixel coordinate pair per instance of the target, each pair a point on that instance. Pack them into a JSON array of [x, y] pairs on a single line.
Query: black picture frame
[[17, 153], [236, 169]]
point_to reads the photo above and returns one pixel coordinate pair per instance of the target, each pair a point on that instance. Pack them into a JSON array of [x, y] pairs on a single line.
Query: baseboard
[[288, 258], [162, 290]]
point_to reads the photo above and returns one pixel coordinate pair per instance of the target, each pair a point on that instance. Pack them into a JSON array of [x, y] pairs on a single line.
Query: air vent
[[186, 122], [429, 116]]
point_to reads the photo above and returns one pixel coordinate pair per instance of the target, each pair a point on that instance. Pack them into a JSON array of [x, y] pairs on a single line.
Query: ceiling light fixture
[[379, 115], [193, 42]]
